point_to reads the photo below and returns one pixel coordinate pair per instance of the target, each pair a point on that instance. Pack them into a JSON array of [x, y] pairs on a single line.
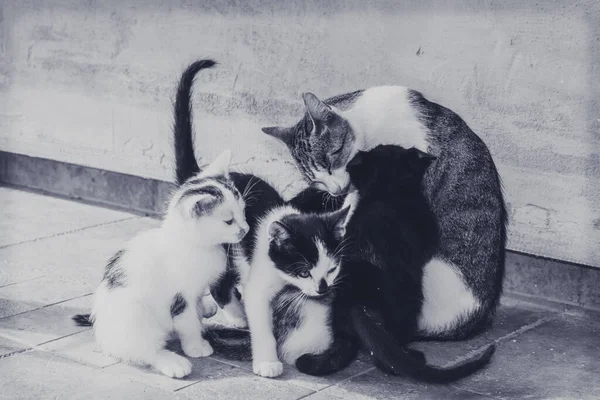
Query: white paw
[[237, 322], [210, 308], [197, 349], [268, 369], [173, 365]]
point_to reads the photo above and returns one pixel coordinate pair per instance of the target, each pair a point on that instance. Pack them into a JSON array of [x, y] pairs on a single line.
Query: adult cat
[[462, 283]]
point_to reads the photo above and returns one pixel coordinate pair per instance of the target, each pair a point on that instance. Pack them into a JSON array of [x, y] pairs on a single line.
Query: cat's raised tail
[[186, 164], [82, 319], [391, 357]]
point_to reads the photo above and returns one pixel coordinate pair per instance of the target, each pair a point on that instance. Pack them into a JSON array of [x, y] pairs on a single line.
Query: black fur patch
[[205, 205], [207, 190], [224, 287], [114, 273], [185, 160], [228, 185], [178, 305]]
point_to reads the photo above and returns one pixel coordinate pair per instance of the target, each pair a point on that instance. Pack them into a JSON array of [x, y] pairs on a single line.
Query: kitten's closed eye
[[331, 270], [229, 221]]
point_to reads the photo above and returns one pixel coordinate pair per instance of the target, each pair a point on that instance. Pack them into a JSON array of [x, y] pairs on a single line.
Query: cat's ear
[[357, 160], [279, 132], [315, 107], [279, 233], [338, 222], [220, 165], [425, 158], [204, 205]]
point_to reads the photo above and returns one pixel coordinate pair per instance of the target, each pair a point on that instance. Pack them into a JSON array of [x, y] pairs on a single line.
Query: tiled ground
[[52, 253]]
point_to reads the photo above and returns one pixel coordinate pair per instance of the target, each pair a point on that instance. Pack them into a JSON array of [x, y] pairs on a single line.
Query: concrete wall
[[91, 82]]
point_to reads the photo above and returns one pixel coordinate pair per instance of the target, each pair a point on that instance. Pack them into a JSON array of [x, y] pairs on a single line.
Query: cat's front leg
[[264, 346], [186, 323]]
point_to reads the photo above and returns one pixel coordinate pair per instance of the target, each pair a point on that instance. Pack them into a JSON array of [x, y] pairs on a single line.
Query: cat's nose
[[323, 288], [241, 233]]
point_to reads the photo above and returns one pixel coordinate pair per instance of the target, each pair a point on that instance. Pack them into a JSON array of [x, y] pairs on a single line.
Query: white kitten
[[153, 286]]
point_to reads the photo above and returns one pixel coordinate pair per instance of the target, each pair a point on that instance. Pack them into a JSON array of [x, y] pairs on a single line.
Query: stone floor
[[52, 253]]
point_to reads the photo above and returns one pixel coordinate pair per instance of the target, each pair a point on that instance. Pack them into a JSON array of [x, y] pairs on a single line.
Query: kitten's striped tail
[[229, 343], [185, 158], [82, 319]]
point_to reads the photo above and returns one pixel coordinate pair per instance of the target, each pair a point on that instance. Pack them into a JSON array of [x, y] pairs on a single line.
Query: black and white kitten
[[287, 264], [393, 234], [462, 282]]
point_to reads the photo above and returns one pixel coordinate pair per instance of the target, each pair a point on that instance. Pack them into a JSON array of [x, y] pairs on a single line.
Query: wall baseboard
[[543, 278]]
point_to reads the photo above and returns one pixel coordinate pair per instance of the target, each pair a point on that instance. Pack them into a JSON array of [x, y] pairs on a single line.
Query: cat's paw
[[209, 308], [172, 365], [268, 369], [197, 349]]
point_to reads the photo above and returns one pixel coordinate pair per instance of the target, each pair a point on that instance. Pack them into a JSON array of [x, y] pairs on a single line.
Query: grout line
[[308, 395], [62, 337], [26, 280], [511, 335], [186, 386], [68, 232], [370, 369], [15, 353], [487, 396], [45, 306]]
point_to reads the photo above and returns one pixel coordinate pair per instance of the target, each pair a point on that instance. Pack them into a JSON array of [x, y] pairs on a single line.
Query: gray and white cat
[[462, 283]]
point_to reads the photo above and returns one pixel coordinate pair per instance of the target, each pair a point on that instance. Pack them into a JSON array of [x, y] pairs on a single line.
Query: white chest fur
[[385, 115], [312, 337]]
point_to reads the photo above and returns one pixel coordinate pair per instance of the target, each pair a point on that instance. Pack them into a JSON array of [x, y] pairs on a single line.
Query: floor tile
[[35, 375], [508, 319], [232, 383], [559, 359], [80, 347], [23, 213], [79, 257], [40, 292], [45, 324], [376, 385], [8, 346]]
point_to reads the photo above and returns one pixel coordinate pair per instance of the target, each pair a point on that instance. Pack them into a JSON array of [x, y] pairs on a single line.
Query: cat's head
[[388, 165], [307, 250], [321, 143], [209, 204]]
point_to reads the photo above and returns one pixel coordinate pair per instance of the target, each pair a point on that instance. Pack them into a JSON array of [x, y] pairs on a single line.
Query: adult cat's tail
[[395, 359], [229, 343], [185, 158], [82, 319]]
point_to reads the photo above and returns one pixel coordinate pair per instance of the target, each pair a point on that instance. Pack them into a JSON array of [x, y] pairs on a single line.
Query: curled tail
[[185, 159], [82, 319], [395, 359], [229, 343]]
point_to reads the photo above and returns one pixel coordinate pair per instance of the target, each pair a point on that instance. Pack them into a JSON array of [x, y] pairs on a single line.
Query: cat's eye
[[338, 151], [331, 270], [303, 273], [229, 221]]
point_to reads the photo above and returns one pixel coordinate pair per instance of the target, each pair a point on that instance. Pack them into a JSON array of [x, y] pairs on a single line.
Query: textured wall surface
[[91, 82]]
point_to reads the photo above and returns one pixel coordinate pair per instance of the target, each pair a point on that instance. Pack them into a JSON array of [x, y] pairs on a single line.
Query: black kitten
[[392, 234]]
